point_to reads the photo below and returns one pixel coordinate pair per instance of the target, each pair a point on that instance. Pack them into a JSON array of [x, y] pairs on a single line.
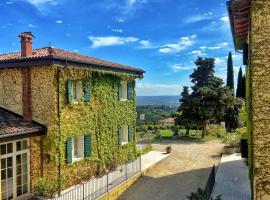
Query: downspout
[[59, 130]]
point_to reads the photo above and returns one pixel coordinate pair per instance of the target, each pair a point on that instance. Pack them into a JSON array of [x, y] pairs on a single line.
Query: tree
[[230, 79], [232, 116], [184, 115], [209, 99], [243, 93], [239, 89]]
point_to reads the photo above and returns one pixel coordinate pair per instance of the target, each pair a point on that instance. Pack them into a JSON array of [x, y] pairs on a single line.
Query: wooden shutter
[[86, 91], [87, 145], [130, 90], [129, 133], [69, 151], [120, 135], [69, 91], [245, 54], [119, 91]]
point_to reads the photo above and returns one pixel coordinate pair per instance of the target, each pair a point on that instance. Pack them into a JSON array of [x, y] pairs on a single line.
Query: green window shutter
[[86, 91], [69, 151], [87, 145], [120, 133], [69, 91], [130, 90], [119, 91], [129, 133]]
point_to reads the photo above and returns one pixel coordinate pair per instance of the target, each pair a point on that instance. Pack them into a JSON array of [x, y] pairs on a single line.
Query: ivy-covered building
[[64, 117], [250, 24]]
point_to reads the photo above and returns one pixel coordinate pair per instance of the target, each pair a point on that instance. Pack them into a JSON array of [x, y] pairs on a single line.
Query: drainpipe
[[59, 131]]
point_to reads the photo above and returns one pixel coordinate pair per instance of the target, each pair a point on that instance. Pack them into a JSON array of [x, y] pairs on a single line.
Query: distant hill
[[172, 101]]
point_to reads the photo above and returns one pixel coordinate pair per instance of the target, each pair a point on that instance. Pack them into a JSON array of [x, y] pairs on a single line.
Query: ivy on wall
[[100, 117]]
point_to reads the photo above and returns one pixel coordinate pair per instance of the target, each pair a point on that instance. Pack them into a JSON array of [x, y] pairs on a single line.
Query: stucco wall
[[11, 90], [260, 96]]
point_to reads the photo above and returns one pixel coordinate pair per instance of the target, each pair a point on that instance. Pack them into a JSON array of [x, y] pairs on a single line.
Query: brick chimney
[[26, 51], [26, 44]]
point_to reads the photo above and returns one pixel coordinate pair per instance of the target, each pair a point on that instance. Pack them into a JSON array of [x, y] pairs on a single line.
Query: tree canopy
[[209, 98], [230, 77]]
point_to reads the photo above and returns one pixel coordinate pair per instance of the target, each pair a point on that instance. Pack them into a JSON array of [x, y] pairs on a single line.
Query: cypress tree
[[239, 83], [230, 78], [243, 94]]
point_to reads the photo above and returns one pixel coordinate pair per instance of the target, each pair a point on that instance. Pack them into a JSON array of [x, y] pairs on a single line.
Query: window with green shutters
[[120, 135], [69, 151], [129, 133], [87, 145], [69, 91], [119, 91], [130, 89], [86, 91]]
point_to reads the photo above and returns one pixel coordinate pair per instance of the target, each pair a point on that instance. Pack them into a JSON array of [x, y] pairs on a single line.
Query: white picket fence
[[96, 187]]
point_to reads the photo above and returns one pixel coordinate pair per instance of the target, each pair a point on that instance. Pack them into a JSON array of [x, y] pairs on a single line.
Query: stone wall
[[260, 97]]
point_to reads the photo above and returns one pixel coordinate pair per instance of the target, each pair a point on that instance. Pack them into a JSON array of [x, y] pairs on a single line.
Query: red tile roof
[[12, 125], [62, 54]]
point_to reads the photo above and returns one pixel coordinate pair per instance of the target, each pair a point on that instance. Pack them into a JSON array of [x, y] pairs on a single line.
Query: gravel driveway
[[186, 169]]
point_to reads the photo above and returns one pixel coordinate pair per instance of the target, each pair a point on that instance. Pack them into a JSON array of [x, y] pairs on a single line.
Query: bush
[[147, 149], [45, 187], [216, 130], [241, 132], [231, 139], [200, 195]]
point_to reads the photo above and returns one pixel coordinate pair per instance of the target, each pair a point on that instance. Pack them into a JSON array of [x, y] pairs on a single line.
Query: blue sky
[[163, 37]]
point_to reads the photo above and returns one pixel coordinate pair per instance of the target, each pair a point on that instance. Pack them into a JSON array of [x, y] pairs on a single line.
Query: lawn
[[167, 133]]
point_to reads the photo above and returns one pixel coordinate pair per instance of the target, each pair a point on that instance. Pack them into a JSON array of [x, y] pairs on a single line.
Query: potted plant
[[231, 141], [168, 149]]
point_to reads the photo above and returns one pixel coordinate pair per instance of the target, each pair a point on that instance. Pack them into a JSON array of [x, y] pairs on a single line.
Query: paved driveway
[[186, 169]]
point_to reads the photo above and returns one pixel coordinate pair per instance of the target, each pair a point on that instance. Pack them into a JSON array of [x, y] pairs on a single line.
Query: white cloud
[[146, 44], [220, 61], [117, 30], [59, 21], [121, 20], [76, 50], [218, 46], [181, 45], [149, 89], [9, 2], [225, 19], [3, 26], [39, 2], [110, 41], [208, 13], [179, 67], [31, 25], [197, 53], [68, 34]]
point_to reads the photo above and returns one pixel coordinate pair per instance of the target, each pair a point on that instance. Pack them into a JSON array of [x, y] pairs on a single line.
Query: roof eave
[[50, 60]]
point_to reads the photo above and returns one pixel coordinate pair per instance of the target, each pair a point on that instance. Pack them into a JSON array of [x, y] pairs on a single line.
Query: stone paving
[[173, 178], [232, 179]]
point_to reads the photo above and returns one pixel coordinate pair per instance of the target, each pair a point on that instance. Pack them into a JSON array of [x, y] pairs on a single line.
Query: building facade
[[68, 116], [250, 24]]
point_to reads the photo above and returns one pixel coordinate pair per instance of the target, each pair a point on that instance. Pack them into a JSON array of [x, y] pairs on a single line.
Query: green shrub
[[241, 132], [45, 187], [231, 139], [147, 149], [167, 133], [216, 130], [200, 195]]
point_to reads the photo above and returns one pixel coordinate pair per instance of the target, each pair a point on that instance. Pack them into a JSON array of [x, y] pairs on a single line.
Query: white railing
[[96, 187]]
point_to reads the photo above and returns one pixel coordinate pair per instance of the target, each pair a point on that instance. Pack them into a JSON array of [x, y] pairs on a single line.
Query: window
[[124, 134], [122, 90], [77, 91], [78, 148]]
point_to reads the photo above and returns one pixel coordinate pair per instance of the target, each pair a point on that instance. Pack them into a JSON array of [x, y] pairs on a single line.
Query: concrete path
[[173, 178], [232, 179], [152, 158]]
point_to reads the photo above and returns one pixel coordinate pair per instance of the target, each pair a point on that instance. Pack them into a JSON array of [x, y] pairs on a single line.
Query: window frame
[[80, 148], [124, 138], [124, 92]]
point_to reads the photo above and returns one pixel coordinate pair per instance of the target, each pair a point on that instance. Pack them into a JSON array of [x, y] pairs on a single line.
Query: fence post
[[140, 162], [126, 171], [83, 191], [108, 182]]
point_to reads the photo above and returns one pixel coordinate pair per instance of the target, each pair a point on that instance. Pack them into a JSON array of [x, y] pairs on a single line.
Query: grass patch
[[167, 133]]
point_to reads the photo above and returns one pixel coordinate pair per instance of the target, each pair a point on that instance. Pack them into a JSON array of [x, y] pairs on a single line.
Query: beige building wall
[[260, 97]]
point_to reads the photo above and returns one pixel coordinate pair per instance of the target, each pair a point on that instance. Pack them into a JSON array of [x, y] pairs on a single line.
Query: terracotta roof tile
[[59, 53], [12, 124]]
